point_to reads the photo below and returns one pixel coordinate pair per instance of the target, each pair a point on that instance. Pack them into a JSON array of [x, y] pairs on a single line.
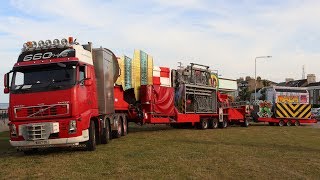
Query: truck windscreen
[[52, 77]]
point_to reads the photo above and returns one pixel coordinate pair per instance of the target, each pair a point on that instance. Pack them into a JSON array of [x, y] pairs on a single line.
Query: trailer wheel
[[281, 123], [271, 123], [213, 123], [289, 123], [105, 137], [117, 133], [245, 123], [124, 126], [297, 123], [91, 143], [223, 124], [203, 124]]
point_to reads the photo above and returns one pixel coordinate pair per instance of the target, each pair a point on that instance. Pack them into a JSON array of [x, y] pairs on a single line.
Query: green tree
[[244, 94], [265, 83]]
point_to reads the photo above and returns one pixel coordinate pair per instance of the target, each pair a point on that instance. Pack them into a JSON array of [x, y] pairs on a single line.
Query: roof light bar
[[56, 43]]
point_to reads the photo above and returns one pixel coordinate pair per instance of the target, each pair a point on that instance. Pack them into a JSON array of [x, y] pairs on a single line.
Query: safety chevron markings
[[302, 111]]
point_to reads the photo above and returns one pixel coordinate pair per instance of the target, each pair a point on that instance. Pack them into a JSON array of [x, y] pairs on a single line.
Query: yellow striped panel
[[136, 73], [284, 110]]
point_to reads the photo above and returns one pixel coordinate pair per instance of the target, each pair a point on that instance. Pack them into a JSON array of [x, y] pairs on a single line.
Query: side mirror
[[6, 90], [6, 83]]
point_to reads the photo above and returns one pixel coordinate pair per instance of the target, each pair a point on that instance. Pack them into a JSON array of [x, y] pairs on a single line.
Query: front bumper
[[60, 142]]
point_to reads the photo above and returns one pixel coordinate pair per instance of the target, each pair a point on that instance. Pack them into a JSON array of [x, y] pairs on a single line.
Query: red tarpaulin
[[158, 100]]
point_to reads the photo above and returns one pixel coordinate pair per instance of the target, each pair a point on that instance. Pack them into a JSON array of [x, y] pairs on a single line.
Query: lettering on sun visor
[[46, 54]]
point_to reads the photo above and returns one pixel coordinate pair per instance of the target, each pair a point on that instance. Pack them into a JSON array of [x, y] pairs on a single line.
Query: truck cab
[[52, 94]]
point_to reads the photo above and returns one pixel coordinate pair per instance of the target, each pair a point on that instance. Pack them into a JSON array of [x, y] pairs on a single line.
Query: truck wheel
[[91, 143], [117, 133], [30, 151], [271, 124], [245, 123], [203, 124], [124, 126], [289, 123], [105, 136], [297, 123], [281, 123]]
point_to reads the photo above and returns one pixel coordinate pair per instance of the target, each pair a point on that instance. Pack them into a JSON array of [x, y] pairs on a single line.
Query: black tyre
[[30, 151], [289, 123], [117, 133], [213, 123], [281, 123], [174, 125], [271, 123], [297, 123], [223, 124], [203, 124], [245, 123], [105, 133], [124, 126], [91, 143]]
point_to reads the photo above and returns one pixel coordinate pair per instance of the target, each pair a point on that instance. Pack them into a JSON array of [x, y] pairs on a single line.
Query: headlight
[[72, 126], [34, 44], [41, 43], [25, 45], [56, 42], [64, 42], [48, 43], [13, 130]]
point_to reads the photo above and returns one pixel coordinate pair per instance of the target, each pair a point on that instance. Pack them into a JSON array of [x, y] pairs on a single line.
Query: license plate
[[41, 142]]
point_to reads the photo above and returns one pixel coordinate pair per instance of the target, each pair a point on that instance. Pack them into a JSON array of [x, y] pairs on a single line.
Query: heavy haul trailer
[[193, 99], [63, 94], [284, 106]]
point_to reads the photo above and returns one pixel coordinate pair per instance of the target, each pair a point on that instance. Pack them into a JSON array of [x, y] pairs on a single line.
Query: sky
[[227, 35]]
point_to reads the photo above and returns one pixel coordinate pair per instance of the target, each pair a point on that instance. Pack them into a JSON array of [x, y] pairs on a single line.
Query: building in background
[[289, 82], [228, 86], [246, 87]]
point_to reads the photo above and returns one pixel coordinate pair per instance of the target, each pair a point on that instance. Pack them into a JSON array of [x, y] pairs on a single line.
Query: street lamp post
[[255, 75]]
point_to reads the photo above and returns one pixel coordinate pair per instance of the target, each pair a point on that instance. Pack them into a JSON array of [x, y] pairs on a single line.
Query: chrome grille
[[42, 111]]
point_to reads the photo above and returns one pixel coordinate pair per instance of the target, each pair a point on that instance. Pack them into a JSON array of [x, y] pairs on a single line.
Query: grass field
[[160, 152]]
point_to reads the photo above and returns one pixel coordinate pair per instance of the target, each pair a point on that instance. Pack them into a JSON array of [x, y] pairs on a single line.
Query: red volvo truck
[[64, 94]]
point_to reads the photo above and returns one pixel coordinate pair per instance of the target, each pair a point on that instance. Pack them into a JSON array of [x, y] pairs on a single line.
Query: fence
[[4, 120]]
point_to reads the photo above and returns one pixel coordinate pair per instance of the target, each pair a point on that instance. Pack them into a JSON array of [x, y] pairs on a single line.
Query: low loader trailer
[[192, 100], [62, 93], [284, 106]]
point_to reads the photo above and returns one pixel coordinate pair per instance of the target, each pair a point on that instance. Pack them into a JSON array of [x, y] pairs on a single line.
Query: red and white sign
[[161, 76]]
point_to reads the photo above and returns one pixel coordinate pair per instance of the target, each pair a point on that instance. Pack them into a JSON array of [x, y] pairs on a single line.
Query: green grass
[[160, 152]]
